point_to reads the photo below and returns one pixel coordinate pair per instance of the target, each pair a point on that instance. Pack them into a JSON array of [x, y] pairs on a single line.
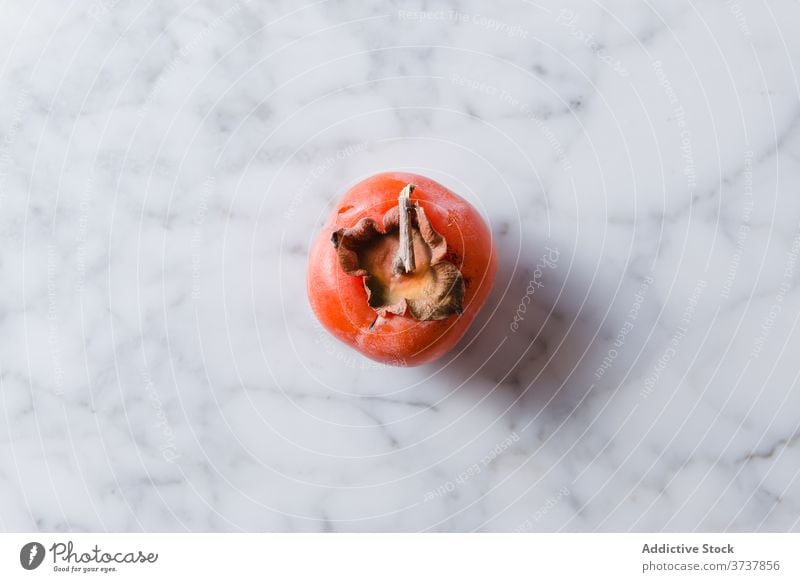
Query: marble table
[[165, 165]]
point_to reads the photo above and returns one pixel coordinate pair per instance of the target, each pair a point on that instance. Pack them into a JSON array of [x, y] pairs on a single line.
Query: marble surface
[[165, 165]]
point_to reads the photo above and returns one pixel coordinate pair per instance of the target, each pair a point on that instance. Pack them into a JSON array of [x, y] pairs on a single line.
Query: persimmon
[[401, 268]]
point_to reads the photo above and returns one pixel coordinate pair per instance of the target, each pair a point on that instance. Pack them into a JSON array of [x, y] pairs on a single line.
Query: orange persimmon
[[401, 268]]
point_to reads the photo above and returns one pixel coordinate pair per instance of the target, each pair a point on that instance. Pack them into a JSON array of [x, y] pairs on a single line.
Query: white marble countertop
[[165, 165]]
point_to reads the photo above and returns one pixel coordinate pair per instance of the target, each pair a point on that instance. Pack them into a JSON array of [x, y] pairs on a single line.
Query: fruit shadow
[[534, 349]]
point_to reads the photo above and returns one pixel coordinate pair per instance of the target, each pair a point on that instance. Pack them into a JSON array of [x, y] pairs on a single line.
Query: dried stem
[[395, 283], [404, 260]]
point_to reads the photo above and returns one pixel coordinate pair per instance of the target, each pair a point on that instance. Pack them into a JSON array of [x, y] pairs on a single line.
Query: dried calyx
[[402, 262]]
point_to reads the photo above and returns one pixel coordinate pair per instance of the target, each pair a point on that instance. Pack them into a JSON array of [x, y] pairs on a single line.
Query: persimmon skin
[[340, 300]]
